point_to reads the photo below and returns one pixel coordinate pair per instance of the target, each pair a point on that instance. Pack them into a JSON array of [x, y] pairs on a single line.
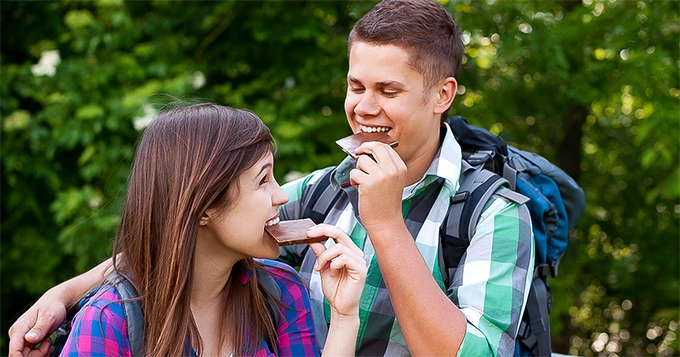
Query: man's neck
[[419, 164]]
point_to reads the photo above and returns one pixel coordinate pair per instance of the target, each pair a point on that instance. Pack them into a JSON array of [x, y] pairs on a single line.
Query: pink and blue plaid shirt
[[100, 329]]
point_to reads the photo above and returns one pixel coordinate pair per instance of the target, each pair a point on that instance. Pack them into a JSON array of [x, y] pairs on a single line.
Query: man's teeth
[[272, 222], [374, 129]]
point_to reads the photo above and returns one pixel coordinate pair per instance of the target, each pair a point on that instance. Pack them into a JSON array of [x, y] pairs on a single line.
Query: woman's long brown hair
[[186, 161]]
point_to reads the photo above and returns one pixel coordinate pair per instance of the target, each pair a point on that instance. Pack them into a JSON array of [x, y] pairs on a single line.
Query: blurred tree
[[80, 80], [593, 86]]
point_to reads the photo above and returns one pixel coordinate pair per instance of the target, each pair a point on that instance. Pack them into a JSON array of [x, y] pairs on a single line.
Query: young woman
[[200, 194]]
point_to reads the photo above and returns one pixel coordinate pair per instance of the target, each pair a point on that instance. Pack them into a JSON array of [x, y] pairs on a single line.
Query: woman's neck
[[212, 270], [209, 281]]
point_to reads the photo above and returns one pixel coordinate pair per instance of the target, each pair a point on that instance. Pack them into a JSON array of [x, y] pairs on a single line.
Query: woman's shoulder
[[99, 319], [290, 283], [103, 304]]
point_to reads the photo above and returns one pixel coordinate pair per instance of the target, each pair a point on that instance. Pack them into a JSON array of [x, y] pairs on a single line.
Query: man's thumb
[[36, 334]]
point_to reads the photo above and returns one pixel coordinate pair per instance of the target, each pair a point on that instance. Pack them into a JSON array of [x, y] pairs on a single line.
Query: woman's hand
[[342, 268]]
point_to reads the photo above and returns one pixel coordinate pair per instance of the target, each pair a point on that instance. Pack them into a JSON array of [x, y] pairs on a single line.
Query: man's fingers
[[45, 346], [17, 335], [28, 349]]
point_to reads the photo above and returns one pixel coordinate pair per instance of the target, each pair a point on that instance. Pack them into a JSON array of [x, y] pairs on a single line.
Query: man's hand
[[49, 312], [380, 178], [34, 327]]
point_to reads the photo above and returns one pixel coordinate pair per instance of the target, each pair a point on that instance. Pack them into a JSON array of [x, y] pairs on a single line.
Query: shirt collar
[[446, 165]]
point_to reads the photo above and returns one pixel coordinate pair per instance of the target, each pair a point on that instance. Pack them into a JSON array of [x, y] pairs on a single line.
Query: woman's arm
[[343, 272]]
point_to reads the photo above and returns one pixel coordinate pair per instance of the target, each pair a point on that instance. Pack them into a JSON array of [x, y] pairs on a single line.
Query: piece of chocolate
[[293, 232], [350, 143]]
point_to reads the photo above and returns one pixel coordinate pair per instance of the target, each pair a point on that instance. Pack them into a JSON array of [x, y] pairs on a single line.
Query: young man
[[403, 59]]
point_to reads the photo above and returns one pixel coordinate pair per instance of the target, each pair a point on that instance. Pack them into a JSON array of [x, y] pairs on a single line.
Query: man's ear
[[446, 93]]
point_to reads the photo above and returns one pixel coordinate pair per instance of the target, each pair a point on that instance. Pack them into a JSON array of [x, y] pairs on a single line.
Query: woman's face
[[238, 229]]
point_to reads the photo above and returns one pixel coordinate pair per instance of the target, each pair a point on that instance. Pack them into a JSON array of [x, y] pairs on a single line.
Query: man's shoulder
[[297, 189], [307, 179]]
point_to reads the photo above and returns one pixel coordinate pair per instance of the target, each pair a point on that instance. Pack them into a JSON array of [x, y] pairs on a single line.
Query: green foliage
[[605, 75], [593, 86]]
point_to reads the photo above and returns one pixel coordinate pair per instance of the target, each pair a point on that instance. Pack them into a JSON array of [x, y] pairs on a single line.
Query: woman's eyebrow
[[264, 167]]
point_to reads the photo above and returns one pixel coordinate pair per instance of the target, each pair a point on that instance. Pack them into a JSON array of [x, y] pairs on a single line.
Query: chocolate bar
[[293, 232], [350, 143]]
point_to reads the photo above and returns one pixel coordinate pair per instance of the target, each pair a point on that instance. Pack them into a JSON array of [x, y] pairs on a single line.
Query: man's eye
[[389, 93], [356, 90]]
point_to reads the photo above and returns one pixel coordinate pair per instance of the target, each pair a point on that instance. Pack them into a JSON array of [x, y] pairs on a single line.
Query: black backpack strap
[[273, 296], [269, 284], [477, 186], [133, 312], [534, 329], [322, 198]]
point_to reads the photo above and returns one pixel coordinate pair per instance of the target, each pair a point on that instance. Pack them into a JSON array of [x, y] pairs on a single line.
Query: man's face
[[384, 93]]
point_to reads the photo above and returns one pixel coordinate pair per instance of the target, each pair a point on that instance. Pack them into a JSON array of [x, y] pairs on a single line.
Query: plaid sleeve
[[296, 325], [492, 282], [99, 329]]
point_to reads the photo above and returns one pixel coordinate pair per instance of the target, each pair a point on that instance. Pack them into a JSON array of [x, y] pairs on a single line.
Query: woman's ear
[[447, 92], [204, 219]]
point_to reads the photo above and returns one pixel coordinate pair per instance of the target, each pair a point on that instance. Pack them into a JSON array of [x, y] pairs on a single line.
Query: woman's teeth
[[272, 222]]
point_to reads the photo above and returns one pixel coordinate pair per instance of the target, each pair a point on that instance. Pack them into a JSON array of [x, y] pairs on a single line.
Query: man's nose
[[367, 105]]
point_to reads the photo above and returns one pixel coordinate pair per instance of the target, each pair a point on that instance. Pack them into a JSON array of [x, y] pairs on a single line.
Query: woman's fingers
[[337, 234], [344, 254], [339, 257], [317, 248]]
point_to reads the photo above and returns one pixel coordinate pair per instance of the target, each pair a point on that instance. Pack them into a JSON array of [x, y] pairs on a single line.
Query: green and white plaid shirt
[[490, 285]]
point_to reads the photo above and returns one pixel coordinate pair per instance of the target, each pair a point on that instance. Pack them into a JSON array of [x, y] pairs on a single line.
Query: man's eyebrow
[[378, 84], [353, 80], [390, 84]]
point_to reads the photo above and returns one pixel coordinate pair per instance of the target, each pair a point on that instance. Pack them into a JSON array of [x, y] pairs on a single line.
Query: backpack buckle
[[480, 157], [542, 270], [545, 270], [553, 269], [459, 197]]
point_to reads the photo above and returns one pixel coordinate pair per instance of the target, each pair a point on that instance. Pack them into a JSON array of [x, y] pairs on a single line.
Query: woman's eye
[[263, 181]]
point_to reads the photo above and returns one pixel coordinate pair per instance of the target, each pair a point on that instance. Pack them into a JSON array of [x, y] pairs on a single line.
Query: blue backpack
[[555, 202]]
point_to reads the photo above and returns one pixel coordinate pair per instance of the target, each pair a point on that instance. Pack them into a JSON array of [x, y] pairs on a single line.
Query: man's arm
[[49, 312], [491, 285], [492, 281], [429, 320]]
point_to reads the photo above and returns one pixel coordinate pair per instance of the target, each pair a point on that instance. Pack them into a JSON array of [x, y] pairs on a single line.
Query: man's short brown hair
[[423, 28]]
